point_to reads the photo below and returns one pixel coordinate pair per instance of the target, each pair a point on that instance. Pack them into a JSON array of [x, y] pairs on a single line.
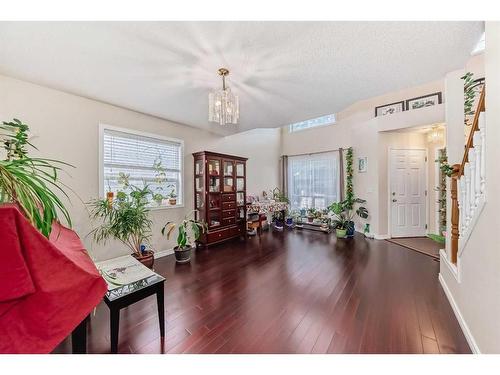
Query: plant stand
[[319, 227]]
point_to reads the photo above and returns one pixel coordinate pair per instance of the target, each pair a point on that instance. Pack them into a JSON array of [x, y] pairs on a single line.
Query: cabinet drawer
[[228, 221], [231, 197], [219, 235], [228, 205], [228, 214], [236, 231]]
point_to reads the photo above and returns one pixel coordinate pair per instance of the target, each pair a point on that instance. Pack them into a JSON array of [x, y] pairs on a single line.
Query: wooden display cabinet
[[219, 195]]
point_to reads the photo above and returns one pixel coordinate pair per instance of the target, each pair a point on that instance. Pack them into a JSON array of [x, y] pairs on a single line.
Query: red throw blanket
[[47, 286]]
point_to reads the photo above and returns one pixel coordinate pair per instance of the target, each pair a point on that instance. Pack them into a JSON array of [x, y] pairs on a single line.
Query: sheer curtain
[[313, 180]]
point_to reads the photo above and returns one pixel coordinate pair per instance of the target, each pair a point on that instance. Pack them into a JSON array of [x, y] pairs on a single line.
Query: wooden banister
[[458, 171], [475, 126], [455, 214]]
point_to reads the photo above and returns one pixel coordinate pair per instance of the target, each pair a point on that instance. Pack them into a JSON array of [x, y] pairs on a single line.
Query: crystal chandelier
[[223, 105]]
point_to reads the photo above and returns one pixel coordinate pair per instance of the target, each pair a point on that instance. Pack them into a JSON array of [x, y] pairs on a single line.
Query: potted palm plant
[[189, 231], [30, 183], [125, 219]]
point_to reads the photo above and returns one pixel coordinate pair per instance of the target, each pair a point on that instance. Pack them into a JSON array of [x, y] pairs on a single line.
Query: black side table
[[125, 295]]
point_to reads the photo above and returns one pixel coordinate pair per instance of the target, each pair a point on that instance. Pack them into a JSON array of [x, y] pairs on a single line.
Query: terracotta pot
[[109, 196], [182, 255], [147, 258], [310, 219], [172, 201]]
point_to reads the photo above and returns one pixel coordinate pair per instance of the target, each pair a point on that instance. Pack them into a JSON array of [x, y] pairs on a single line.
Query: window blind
[[313, 180], [136, 155]]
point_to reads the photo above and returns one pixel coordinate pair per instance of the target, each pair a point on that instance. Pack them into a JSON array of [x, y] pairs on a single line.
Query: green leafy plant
[[31, 183], [349, 191], [278, 195], [189, 230], [442, 161], [343, 213], [126, 218], [469, 96]]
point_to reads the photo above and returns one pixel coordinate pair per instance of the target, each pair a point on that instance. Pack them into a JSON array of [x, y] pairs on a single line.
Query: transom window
[[312, 123], [313, 180], [145, 160]]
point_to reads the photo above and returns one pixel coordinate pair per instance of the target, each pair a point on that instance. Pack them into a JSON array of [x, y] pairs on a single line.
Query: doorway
[[408, 192]]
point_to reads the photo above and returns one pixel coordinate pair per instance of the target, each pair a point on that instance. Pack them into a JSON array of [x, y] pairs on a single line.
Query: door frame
[[389, 180]]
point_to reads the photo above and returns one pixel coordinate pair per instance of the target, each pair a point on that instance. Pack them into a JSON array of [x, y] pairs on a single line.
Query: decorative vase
[[147, 258], [350, 229], [289, 221], [310, 219], [341, 233], [182, 255]]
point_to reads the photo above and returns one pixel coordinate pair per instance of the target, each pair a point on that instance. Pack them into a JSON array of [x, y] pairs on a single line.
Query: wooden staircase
[[468, 183]]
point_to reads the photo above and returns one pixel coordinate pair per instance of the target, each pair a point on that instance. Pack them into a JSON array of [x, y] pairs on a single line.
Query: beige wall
[[357, 127], [66, 126], [477, 296]]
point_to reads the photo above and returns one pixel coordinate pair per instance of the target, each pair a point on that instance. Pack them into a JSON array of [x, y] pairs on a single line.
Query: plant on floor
[[126, 219], [189, 231], [31, 183], [350, 200], [343, 212]]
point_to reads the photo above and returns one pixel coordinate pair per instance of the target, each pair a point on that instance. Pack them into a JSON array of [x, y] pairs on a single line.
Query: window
[[319, 121], [146, 159], [313, 180]]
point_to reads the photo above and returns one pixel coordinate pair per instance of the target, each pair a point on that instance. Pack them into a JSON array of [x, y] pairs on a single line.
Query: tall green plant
[[125, 219], [31, 183], [349, 190], [469, 96]]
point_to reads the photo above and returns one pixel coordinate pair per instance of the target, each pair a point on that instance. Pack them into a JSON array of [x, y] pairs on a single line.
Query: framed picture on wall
[[424, 101], [389, 109], [362, 164]]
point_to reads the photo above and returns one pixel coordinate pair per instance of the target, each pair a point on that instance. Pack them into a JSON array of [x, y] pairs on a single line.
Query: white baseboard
[[382, 237], [465, 328], [163, 253]]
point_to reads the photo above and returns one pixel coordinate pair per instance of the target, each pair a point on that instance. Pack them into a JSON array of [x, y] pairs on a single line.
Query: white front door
[[408, 193]]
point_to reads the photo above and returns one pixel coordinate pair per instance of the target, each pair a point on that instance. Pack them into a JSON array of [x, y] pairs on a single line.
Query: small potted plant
[[189, 231], [172, 197], [311, 214], [127, 220], [341, 220]]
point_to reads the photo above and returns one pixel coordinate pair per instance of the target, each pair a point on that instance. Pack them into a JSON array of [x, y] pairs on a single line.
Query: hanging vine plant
[[349, 192]]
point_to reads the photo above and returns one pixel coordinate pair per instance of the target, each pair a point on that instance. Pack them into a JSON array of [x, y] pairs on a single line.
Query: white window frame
[[103, 127], [314, 126]]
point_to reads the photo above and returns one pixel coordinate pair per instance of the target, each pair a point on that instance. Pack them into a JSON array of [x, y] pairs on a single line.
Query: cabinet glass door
[[213, 176], [228, 184], [240, 184], [198, 167], [228, 168], [240, 169]]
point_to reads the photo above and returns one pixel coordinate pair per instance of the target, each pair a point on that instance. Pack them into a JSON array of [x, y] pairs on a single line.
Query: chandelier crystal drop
[[223, 105]]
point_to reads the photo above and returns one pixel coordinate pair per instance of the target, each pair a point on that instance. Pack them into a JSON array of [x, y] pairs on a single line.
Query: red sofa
[[47, 286]]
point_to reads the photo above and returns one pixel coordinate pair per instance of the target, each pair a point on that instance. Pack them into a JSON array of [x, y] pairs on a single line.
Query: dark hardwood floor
[[292, 292]]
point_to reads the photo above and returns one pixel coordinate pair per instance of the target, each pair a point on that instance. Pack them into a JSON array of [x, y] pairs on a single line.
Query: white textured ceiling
[[283, 72]]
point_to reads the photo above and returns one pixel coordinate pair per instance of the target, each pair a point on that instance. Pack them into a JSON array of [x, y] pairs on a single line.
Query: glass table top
[[126, 275]]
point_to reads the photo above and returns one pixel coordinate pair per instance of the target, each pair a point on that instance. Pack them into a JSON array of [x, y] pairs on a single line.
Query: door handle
[[394, 200]]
